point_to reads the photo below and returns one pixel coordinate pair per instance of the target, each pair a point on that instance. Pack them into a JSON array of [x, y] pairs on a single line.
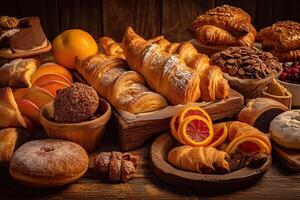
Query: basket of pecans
[[247, 69]]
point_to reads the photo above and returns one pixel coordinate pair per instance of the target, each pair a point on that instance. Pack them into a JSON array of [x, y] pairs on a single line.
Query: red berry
[[287, 70], [294, 70], [283, 76]]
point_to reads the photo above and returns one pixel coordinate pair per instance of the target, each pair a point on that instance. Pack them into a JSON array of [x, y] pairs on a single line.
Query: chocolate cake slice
[[27, 35]]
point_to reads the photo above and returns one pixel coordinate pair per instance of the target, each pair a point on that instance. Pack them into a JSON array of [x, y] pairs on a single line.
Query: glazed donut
[[48, 163], [285, 129]]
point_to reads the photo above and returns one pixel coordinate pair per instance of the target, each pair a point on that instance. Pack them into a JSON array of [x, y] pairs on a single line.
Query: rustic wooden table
[[278, 183]]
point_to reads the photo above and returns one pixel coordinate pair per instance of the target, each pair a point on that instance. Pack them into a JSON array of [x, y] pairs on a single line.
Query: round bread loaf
[[285, 129], [48, 163]]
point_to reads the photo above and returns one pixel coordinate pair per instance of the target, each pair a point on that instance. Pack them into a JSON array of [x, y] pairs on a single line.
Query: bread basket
[[87, 134], [285, 100]]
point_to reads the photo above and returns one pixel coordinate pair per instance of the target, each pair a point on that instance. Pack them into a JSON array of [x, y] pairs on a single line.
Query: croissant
[[199, 159], [17, 73], [111, 48], [212, 83], [165, 73], [284, 35], [10, 113], [10, 140], [287, 56], [124, 89], [225, 25], [241, 132]]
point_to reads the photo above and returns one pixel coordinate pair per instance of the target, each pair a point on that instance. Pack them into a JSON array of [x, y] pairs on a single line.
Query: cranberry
[[295, 70], [283, 76], [287, 70]]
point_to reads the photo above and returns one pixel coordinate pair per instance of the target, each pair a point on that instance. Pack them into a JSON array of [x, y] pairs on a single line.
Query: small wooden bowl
[[88, 134], [165, 171], [285, 100]]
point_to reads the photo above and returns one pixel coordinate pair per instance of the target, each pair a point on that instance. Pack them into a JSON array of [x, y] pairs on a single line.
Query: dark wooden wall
[[148, 17]]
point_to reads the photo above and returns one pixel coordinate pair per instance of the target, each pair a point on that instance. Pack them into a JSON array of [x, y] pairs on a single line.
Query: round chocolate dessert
[[75, 104]]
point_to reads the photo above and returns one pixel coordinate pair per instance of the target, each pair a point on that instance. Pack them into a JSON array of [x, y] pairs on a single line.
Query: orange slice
[[174, 124], [248, 145], [194, 110], [196, 131], [220, 135]]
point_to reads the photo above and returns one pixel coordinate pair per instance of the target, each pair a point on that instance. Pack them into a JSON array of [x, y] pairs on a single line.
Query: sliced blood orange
[[196, 131], [194, 110], [174, 124], [248, 145], [220, 135]]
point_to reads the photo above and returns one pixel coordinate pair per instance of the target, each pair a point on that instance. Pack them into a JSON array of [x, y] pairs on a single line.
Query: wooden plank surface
[[81, 14], [144, 16], [277, 183], [178, 15], [148, 17]]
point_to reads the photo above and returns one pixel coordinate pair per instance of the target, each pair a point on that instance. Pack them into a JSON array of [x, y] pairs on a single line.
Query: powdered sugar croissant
[[164, 72], [109, 75], [199, 159], [212, 83]]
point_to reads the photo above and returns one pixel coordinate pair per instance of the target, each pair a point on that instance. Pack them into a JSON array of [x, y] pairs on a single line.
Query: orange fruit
[[196, 131], [51, 68], [220, 135], [174, 124], [194, 110], [248, 145], [71, 44], [53, 86], [50, 77]]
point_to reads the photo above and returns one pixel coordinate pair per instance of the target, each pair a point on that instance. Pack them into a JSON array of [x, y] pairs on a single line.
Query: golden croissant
[[125, 90], [164, 72], [199, 159], [212, 83], [17, 73], [9, 111], [225, 25]]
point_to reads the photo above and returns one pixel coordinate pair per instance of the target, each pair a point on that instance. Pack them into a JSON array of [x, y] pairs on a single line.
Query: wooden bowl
[[165, 171], [294, 90], [285, 100], [87, 134]]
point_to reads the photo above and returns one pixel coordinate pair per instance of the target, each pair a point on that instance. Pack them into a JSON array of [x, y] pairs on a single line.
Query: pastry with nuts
[[225, 25], [282, 39]]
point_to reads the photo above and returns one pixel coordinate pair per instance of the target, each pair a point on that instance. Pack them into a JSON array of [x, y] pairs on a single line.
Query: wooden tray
[[290, 157], [163, 170], [10, 56], [133, 134]]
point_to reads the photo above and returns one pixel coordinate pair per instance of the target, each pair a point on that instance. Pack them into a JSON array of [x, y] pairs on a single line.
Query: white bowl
[[294, 89]]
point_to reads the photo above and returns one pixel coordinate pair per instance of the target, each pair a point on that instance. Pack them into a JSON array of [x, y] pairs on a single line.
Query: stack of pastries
[[108, 73], [225, 26], [282, 39], [177, 71]]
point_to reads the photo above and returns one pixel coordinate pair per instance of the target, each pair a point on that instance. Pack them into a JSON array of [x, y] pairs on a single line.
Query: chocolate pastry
[[115, 166], [75, 104], [102, 161], [260, 112], [114, 173]]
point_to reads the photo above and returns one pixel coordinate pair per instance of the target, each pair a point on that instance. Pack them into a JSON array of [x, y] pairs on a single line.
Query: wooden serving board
[[165, 171], [10, 56], [290, 157], [132, 135]]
